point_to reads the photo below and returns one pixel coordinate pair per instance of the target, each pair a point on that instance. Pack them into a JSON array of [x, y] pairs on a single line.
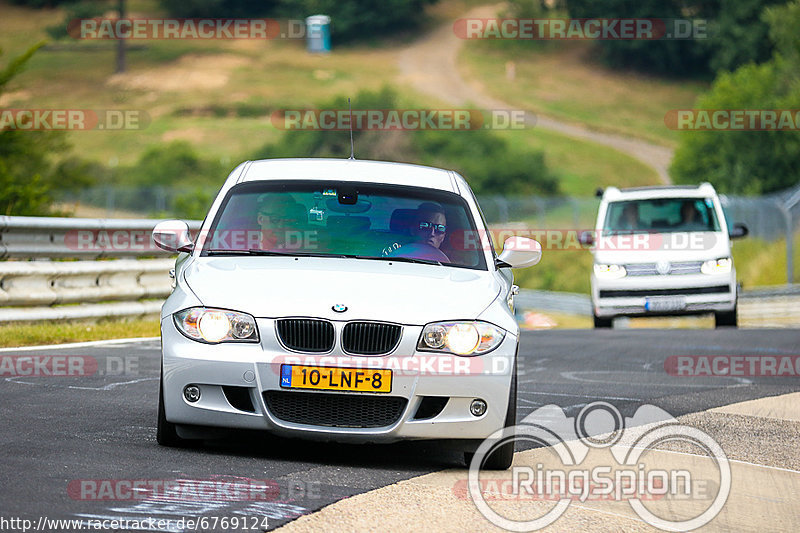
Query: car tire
[[166, 434], [726, 319], [602, 322], [502, 456]]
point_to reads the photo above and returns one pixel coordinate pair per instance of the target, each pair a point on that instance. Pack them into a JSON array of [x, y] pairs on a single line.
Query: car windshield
[[342, 219], [661, 215]]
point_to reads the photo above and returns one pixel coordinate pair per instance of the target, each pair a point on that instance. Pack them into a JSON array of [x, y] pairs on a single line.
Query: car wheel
[[166, 434], [501, 457], [726, 319], [601, 322]]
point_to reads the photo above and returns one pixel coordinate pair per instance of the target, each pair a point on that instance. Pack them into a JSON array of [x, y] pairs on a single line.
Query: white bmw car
[[341, 300]]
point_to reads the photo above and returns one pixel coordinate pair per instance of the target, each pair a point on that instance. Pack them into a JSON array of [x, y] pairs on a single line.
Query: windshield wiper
[[400, 259], [298, 254], [256, 251]]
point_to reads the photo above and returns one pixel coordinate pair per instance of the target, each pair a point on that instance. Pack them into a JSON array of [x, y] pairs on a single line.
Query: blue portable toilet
[[318, 33]]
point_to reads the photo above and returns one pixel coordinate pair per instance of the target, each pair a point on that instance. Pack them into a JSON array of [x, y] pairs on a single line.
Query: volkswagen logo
[[339, 308], [663, 267]]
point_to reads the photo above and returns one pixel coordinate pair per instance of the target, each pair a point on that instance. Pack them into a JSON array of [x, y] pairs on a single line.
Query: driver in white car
[[429, 230]]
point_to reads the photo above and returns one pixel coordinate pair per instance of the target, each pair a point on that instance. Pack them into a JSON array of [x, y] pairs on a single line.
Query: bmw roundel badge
[[339, 308]]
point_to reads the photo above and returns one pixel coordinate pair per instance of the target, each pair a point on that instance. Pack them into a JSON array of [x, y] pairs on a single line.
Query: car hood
[[308, 286], [654, 247]]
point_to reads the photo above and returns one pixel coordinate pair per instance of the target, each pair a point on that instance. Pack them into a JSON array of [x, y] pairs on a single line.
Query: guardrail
[[85, 238], [43, 290], [127, 285]]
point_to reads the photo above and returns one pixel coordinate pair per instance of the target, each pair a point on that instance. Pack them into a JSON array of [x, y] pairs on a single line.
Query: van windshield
[[661, 215], [338, 219]]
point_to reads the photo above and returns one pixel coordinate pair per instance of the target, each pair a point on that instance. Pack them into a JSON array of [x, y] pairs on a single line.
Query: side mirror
[[586, 238], [739, 231], [173, 236], [519, 252]]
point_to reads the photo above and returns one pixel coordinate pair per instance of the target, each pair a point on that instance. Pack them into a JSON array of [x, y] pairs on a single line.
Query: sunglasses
[[438, 228]]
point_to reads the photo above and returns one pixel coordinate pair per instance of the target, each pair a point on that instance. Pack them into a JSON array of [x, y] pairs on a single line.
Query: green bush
[[486, 160], [30, 172], [750, 162], [85, 9]]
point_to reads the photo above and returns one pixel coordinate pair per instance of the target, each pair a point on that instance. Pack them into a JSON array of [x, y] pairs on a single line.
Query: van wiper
[[400, 259]]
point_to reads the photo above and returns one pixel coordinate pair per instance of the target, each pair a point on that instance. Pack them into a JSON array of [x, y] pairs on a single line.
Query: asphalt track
[[58, 431]]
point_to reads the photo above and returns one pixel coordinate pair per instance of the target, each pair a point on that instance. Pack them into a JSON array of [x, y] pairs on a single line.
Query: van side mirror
[[739, 231]]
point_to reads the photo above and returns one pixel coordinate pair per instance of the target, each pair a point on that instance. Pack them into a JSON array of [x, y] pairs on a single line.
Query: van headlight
[[463, 337], [717, 266], [216, 325], [609, 271]]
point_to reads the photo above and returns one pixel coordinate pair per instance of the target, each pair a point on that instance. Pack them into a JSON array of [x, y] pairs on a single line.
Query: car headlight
[[717, 266], [216, 325], [464, 337], [609, 271]]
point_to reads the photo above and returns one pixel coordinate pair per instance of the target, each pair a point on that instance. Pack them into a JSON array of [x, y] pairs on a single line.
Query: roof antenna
[[352, 146]]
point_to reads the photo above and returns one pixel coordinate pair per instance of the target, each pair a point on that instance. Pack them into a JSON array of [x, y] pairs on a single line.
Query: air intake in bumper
[[335, 410]]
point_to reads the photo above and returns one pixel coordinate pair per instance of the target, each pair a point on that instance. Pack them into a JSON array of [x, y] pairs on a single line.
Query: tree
[[29, 173], [672, 57], [750, 162]]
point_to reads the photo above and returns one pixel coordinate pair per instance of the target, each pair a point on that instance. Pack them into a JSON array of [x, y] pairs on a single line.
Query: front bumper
[[664, 295], [257, 369]]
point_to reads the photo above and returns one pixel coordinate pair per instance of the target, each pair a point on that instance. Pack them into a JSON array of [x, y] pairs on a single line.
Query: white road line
[[572, 376], [113, 385], [582, 396], [79, 344]]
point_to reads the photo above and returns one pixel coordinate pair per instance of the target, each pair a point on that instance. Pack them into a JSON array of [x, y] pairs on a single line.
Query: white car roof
[[349, 170], [704, 190]]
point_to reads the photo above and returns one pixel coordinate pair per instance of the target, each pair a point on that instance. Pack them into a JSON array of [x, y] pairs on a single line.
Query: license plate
[[338, 379], [665, 304]]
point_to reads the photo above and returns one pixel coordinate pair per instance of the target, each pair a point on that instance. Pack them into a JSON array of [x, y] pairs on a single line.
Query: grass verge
[[37, 334], [565, 83]]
